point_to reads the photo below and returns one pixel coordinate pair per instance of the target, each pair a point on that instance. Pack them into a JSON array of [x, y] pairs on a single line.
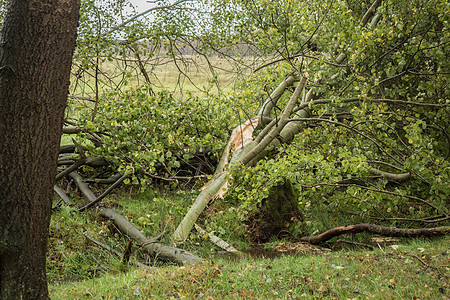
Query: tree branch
[[170, 6], [391, 176], [105, 193], [382, 230], [284, 119]]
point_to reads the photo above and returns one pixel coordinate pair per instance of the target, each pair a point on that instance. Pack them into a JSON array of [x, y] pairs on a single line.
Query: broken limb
[[155, 250], [108, 248], [381, 230], [217, 241], [246, 151]]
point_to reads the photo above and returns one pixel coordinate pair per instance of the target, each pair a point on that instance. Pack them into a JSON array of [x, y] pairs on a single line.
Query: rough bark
[[381, 230], [36, 47]]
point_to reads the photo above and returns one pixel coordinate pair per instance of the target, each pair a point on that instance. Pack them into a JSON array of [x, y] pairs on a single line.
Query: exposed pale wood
[[217, 241]]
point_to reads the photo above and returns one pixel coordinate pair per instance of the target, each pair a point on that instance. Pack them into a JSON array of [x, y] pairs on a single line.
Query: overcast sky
[[141, 5]]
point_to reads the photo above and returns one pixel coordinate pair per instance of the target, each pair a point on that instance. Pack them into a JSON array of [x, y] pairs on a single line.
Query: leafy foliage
[[386, 108], [160, 135]]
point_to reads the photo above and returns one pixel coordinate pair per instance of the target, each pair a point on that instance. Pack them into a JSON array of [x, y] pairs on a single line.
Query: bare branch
[[386, 231], [170, 6]]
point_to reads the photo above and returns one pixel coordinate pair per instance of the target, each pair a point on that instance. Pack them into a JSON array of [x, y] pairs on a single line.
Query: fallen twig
[[428, 265]]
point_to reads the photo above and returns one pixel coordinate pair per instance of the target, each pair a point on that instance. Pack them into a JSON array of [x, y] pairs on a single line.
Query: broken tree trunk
[[248, 151], [272, 100], [381, 230], [205, 196]]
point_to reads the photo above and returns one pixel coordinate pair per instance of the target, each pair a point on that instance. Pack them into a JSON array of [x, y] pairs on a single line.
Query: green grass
[[79, 269], [416, 270], [190, 74]]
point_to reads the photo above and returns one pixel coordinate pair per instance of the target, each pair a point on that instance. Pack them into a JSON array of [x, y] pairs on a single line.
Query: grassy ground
[[417, 270], [78, 269]]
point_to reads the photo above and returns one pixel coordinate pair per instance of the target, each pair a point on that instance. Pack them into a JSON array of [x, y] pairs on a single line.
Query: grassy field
[[78, 269], [187, 73], [184, 75], [418, 270]]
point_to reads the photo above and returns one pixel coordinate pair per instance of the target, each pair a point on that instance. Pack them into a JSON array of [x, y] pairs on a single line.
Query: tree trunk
[[249, 151], [36, 47]]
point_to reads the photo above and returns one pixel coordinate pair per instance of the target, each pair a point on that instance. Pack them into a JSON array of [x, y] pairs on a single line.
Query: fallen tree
[[246, 150], [365, 129], [364, 134], [154, 249]]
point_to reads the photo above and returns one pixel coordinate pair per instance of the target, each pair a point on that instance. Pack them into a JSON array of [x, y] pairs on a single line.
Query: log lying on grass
[[381, 230], [155, 250]]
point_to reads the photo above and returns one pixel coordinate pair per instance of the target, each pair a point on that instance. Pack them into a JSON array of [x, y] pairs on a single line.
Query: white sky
[[141, 5]]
